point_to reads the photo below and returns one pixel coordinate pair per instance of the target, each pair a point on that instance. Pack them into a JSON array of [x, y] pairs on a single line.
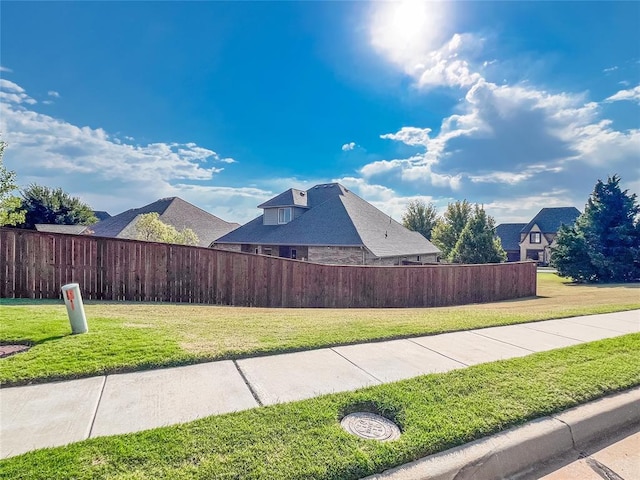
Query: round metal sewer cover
[[370, 426]]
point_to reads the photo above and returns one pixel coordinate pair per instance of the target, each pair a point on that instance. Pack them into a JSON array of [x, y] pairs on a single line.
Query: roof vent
[[324, 186], [331, 185], [317, 187], [302, 194]]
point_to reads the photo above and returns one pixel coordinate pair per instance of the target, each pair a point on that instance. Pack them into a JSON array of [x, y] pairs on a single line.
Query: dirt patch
[[6, 350]]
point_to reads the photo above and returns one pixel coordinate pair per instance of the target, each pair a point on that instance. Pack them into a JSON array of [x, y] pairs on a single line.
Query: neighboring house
[[509, 235], [54, 228], [328, 224], [535, 239], [173, 211]]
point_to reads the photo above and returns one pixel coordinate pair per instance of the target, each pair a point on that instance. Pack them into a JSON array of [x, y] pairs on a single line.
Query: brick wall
[[229, 247], [336, 255]]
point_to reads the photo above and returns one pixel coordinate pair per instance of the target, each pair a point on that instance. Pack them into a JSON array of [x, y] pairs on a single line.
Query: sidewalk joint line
[[439, 353], [568, 321], [357, 366], [560, 335], [602, 470], [507, 343], [254, 394], [95, 413]]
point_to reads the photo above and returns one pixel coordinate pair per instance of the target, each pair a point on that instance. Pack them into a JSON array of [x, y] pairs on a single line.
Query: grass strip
[[304, 439], [124, 337]]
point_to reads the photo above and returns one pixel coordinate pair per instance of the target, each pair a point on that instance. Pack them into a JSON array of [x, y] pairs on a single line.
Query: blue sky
[[514, 105]]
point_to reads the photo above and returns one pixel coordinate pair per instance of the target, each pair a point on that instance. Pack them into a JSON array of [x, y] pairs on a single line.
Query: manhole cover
[[6, 350], [370, 426]]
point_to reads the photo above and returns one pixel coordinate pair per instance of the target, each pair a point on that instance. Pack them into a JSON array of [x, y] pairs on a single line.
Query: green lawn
[[133, 336], [304, 439]]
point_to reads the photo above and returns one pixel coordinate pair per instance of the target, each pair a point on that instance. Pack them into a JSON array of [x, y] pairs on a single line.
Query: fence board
[[36, 264]]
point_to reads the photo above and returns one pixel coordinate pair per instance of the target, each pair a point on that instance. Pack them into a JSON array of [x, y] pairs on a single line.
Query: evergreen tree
[[477, 242], [604, 244], [448, 229], [420, 217], [54, 206]]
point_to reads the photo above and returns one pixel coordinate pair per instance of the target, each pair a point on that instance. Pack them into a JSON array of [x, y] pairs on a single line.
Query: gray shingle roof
[[549, 220], [101, 214], [291, 198], [336, 217], [173, 211], [54, 228], [509, 235]]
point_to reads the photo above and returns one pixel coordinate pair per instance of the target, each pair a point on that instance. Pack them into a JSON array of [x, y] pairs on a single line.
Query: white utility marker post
[[75, 308]]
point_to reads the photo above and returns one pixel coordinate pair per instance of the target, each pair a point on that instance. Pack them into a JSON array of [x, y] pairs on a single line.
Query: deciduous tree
[[10, 211], [150, 228], [420, 217]]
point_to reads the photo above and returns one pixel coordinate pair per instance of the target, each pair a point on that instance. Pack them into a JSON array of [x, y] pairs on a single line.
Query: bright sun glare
[[406, 31]]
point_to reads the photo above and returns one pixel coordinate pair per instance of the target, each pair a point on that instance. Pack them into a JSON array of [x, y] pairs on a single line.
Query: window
[[294, 253], [535, 237], [284, 215]]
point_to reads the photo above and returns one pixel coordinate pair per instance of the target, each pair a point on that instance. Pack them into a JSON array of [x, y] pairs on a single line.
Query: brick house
[[328, 224], [534, 240]]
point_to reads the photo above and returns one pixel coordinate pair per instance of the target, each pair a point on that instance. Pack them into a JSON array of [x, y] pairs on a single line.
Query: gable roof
[[336, 217], [509, 235], [549, 220], [173, 211]]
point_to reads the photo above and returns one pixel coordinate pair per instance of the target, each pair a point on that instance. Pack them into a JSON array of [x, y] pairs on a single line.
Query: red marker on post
[[75, 309]]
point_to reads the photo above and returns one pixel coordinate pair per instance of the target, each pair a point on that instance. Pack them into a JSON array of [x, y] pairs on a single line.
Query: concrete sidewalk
[[54, 414]]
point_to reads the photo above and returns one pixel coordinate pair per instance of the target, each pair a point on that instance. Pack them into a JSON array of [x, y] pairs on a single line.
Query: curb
[[517, 451]]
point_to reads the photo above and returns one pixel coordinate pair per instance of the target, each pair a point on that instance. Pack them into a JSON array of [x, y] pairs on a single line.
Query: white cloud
[[53, 93], [384, 198], [9, 86], [632, 95], [13, 93], [521, 209], [5, 69], [509, 135], [610, 69], [513, 178], [410, 135], [86, 161], [497, 134], [348, 146], [413, 36], [233, 204]]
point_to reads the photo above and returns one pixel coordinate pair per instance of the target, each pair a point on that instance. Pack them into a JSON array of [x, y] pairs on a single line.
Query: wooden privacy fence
[[36, 264]]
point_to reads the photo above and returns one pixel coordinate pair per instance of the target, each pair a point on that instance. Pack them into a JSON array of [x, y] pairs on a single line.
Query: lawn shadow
[[30, 301], [31, 343], [604, 285]]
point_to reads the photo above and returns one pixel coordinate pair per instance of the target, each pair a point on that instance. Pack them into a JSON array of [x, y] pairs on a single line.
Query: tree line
[[464, 233], [602, 246]]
